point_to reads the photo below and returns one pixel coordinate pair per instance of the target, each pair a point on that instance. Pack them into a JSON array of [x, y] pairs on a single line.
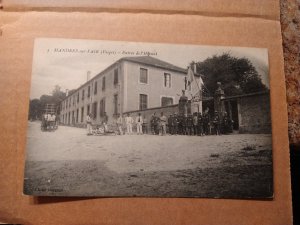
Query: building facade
[[130, 84]]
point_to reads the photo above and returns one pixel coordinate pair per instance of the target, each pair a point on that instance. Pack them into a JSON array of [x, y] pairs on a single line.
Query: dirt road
[[68, 162]]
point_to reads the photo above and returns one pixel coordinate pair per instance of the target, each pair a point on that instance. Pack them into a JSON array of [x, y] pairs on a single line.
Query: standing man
[[89, 124], [206, 121], [216, 123], [48, 120], [145, 125], [45, 121], [180, 124], [170, 124], [163, 124], [152, 122], [184, 125], [53, 120], [189, 125], [195, 123], [200, 124], [175, 123], [139, 124], [105, 121], [129, 122], [120, 124], [156, 124]]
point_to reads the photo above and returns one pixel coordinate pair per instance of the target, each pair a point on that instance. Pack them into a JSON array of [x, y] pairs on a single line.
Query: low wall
[[254, 113], [147, 113]]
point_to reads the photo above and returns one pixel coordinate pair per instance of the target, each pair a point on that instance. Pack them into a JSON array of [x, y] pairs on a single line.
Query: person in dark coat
[[180, 124], [183, 120], [195, 123], [156, 122], [189, 125], [175, 124], [170, 124], [145, 125], [152, 123], [200, 125], [216, 123], [206, 123]]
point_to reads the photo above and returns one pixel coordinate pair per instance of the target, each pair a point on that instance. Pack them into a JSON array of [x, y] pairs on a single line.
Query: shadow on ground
[[242, 174]]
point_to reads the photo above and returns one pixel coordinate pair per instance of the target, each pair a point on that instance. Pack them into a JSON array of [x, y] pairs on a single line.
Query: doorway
[[231, 107]]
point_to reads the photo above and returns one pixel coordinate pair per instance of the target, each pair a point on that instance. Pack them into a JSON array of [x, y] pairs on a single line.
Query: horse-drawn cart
[[49, 118]]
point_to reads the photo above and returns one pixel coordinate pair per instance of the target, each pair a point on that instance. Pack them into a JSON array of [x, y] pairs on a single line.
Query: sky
[[65, 62]]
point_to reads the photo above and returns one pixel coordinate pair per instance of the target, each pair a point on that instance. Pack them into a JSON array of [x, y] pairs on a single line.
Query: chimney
[[194, 65], [67, 92], [88, 75]]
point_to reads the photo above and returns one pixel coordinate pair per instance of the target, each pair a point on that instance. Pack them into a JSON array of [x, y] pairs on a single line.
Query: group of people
[[175, 124], [193, 124], [99, 130], [49, 121], [129, 122]]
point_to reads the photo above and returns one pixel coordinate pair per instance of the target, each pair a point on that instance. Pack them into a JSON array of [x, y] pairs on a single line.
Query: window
[[95, 88], [82, 112], [77, 115], [88, 110], [116, 76], [165, 101], [78, 97], [89, 91], [70, 102], [73, 118], [143, 76], [167, 80], [94, 110], [143, 102], [82, 94], [102, 107], [115, 104], [103, 84], [73, 99]]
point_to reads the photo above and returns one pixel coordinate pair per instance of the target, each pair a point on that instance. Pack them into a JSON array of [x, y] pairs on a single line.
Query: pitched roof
[[151, 61]]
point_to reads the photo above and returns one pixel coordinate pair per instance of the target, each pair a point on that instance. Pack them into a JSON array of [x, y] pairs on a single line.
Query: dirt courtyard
[[67, 162]]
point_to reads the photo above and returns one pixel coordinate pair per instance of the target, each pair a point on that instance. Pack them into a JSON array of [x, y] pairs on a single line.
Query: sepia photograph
[[134, 119]]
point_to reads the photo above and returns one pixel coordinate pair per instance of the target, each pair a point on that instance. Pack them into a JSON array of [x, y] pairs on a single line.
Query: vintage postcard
[[110, 118]]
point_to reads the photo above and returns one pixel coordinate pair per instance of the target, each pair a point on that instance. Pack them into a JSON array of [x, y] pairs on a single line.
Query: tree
[[57, 94], [237, 75], [34, 109], [37, 106]]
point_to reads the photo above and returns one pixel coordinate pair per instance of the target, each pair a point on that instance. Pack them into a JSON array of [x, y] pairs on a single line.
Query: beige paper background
[[251, 8], [18, 30]]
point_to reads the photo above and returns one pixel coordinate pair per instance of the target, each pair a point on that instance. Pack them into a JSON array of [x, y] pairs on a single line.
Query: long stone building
[[129, 84]]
